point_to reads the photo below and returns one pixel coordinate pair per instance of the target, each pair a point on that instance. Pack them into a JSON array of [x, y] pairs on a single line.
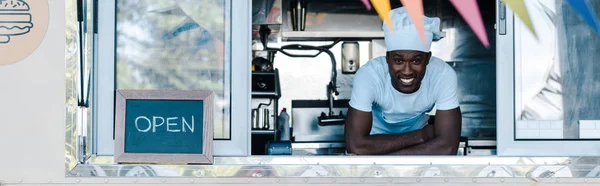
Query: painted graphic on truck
[[23, 25], [15, 19]]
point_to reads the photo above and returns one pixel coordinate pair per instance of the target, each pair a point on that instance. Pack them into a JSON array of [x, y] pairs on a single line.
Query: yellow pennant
[[518, 6], [383, 8]]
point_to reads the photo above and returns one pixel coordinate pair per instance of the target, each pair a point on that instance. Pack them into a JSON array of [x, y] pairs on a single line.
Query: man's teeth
[[407, 80]]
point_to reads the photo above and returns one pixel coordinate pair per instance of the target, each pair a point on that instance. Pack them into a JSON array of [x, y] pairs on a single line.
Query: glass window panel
[[175, 45], [556, 75], [72, 84]]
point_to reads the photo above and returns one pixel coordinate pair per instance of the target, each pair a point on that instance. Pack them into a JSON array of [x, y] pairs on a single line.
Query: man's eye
[[417, 62]]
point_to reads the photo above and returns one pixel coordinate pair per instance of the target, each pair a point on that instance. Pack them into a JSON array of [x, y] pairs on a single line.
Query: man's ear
[[428, 57], [387, 56]]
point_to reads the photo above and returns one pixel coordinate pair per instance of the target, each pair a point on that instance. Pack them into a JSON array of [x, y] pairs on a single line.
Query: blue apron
[[384, 125], [398, 123]]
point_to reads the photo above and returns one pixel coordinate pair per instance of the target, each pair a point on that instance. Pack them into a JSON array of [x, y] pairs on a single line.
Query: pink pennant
[[415, 11], [367, 4], [470, 12]]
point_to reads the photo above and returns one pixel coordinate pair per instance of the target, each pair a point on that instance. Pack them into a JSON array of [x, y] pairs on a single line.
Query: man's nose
[[406, 70]]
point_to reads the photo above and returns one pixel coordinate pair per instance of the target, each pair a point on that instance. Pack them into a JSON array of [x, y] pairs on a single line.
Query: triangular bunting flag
[[383, 8], [518, 6], [367, 4], [469, 10], [582, 7], [415, 11]]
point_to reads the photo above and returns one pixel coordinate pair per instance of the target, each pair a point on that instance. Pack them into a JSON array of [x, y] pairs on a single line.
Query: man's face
[[407, 69]]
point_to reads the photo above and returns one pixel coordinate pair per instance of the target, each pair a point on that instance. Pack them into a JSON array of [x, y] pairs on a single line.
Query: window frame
[[104, 86], [508, 144]]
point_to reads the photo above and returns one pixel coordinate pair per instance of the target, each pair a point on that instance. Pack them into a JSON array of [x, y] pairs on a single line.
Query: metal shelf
[[330, 35], [265, 95], [333, 35], [263, 132], [263, 73]]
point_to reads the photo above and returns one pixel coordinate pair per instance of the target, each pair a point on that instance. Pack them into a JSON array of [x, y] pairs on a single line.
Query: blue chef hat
[[405, 36]]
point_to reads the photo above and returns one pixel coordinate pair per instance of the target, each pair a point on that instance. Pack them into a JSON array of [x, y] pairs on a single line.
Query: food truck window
[[555, 84], [162, 45], [172, 45]]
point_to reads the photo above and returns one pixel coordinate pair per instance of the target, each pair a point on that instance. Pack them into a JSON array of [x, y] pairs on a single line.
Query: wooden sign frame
[[206, 96]]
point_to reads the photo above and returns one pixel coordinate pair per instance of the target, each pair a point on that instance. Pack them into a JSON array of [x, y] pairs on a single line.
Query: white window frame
[[507, 56], [240, 55]]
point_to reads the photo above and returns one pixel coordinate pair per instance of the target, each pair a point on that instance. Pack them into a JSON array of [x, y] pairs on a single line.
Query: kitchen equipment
[[265, 127], [283, 126], [255, 118], [327, 120], [306, 123], [279, 148], [481, 148], [298, 10], [266, 84], [462, 146], [318, 148], [262, 64], [266, 119], [350, 57], [330, 118]]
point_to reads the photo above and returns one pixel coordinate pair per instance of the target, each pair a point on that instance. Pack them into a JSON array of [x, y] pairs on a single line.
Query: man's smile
[[407, 81]]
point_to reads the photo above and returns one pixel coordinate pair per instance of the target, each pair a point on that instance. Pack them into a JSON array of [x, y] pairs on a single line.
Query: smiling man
[[392, 94]]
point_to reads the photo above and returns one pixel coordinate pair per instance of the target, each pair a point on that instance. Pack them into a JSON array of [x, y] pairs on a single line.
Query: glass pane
[[72, 84], [176, 45], [557, 83], [78, 119]]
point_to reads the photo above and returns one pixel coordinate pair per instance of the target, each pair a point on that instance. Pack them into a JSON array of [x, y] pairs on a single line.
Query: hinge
[[501, 18]]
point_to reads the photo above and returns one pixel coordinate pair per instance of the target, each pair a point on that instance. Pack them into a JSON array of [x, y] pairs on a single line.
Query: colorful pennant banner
[[415, 11], [582, 7], [383, 8], [469, 10], [367, 4], [518, 6]]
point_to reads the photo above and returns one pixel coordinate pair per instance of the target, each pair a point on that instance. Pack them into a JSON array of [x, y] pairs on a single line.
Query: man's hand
[[360, 142]]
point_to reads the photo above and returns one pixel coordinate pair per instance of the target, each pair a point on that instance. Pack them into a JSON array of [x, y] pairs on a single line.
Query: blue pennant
[[582, 7]]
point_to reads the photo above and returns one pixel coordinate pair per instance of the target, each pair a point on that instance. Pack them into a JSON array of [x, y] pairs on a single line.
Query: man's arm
[[360, 142], [447, 132]]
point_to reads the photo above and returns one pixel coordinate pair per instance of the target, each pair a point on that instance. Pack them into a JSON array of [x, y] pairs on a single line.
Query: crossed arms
[[442, 138]]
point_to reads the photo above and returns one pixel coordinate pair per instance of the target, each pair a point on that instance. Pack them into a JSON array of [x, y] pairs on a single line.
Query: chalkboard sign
[[155, 126]]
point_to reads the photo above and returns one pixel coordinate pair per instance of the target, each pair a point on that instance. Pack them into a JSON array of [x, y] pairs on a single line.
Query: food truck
[[259, 92]]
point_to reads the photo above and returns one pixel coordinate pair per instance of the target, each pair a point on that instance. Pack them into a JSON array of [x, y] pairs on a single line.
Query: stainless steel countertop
[[319, 145], [314, 145]]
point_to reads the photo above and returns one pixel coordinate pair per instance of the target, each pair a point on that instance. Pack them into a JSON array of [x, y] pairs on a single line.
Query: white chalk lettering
[[185, 123], [138, 127], [154, 125], [172, 124]]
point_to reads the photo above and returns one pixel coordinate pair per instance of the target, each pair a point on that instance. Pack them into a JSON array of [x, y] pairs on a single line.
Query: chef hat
[[405, 36]]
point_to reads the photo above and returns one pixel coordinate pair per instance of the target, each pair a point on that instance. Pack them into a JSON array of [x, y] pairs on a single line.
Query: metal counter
[[466, 148], [312, 149], [532, 169]]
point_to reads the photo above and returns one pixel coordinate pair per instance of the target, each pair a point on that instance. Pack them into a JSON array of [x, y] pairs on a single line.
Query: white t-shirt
[[395, 112]]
